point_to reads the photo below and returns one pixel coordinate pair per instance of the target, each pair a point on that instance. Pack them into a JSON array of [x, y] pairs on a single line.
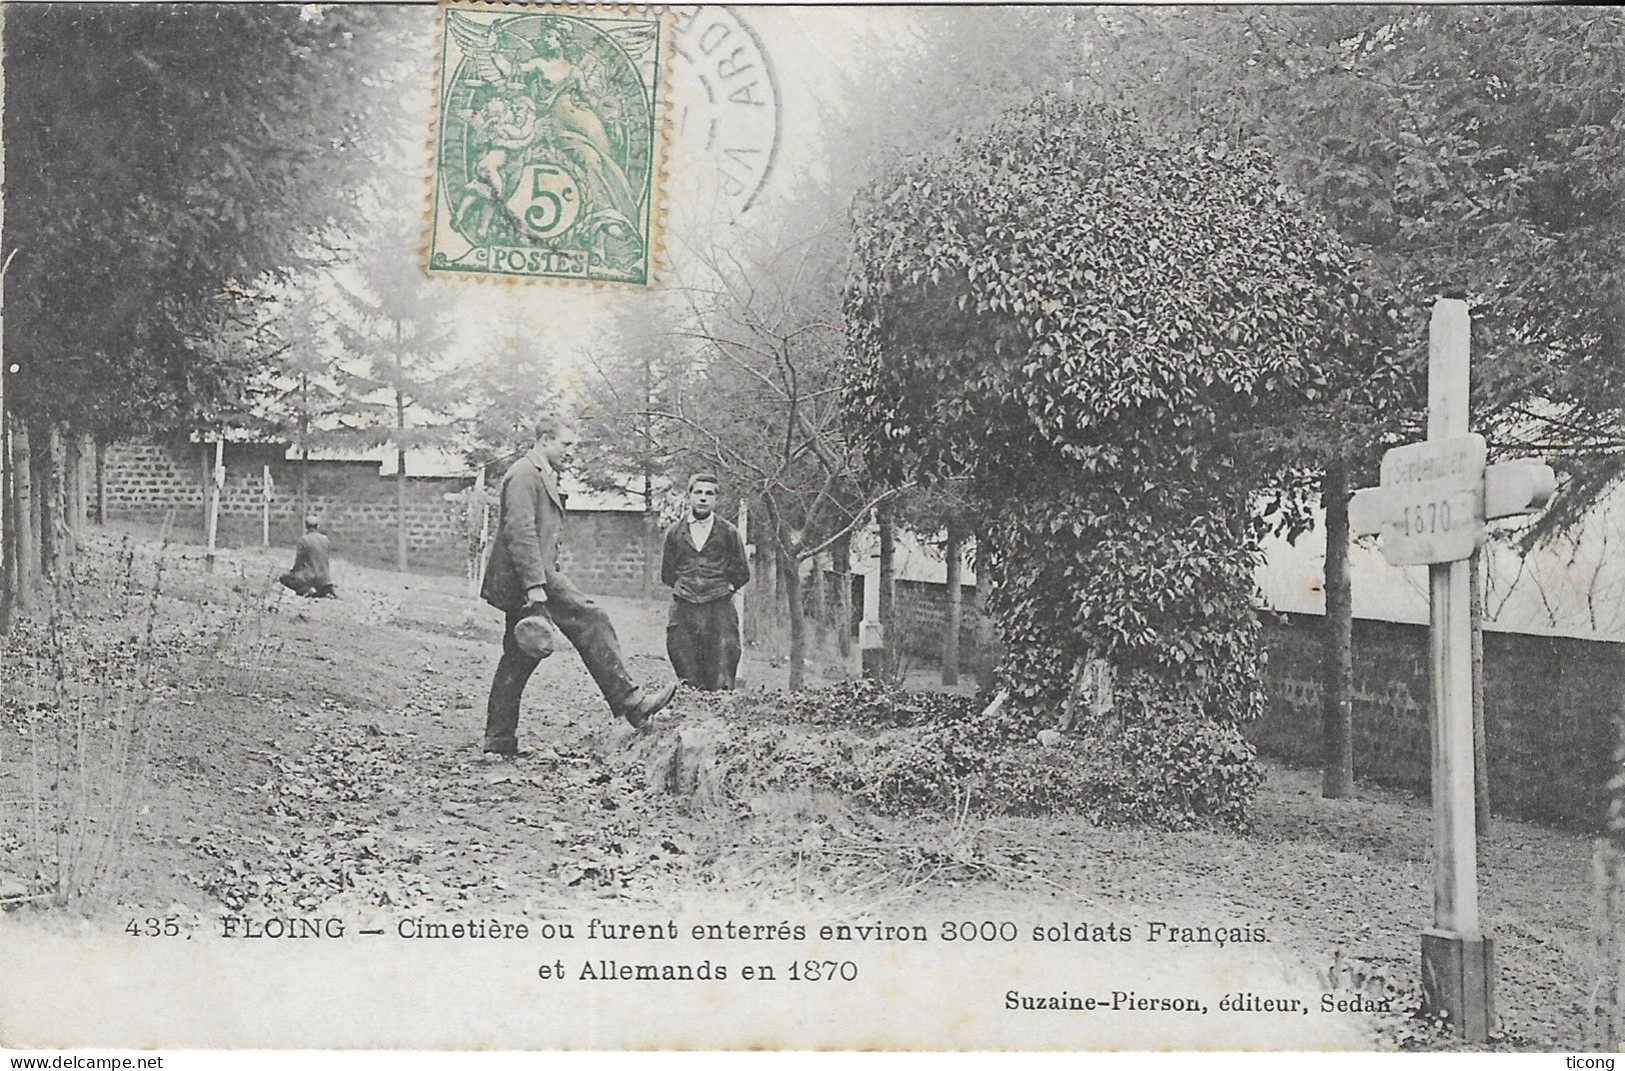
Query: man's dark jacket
[[700, 575], [310, 560], [530, 528]]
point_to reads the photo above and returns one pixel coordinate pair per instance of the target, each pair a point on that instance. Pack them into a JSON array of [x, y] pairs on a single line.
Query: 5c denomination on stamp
[[547, 149]]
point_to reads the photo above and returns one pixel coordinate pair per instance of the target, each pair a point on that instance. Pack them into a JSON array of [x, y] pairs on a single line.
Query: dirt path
[[319, 758]]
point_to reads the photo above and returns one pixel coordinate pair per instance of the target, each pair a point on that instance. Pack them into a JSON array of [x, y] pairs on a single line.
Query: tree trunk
[[304, 449], [767, 569], [101, 481], [208, 481], [8, 527], [1481, 771], [87, 481], [400, 511], [400, 462], [653, 547], [748, 609], [8, 562], [842, 553], [35, 491], [888, 584], [987, 639], [24, 519], [1608, 873], [1337, 666], [798, 620], [952, 549], [73, 487], [818, 605], [55, 552], [39, 457]]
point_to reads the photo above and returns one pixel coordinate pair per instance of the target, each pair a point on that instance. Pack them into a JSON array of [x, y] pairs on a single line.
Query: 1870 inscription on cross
[[1435, 497], [1431, 509]]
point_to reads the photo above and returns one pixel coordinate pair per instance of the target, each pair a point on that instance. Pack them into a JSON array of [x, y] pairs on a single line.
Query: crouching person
[[309, 576]]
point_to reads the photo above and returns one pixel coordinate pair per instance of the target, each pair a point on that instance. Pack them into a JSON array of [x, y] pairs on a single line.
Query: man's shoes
[[502, 751], [649, 704]]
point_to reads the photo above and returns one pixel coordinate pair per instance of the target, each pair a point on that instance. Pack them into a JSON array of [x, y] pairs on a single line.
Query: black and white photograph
[[1043, 528]]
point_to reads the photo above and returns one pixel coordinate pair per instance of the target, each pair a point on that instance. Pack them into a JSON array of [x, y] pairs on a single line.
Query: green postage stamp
[[548, 143]]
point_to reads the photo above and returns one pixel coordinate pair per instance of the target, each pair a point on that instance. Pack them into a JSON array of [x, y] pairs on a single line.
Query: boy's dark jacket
[[705, 574]]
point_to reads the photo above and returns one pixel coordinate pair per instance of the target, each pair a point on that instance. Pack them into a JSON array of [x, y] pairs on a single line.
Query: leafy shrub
[[1095, 331]]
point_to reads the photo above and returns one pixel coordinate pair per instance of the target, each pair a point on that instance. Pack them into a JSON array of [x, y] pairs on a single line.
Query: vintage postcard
[[983, 528]]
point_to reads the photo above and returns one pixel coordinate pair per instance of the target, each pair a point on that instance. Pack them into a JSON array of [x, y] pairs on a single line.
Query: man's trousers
[[702, 641], [589, 631], [304, 585]]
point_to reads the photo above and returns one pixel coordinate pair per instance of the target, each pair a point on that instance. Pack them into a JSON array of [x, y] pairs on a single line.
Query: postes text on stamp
[[548, 141]]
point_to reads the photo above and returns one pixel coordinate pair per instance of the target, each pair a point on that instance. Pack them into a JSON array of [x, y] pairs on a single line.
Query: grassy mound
[[898, 752]]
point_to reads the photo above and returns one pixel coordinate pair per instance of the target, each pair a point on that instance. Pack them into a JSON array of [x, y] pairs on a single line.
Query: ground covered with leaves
[[213, 744]]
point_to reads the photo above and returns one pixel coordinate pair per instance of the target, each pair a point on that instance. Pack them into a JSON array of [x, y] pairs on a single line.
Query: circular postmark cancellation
[[727, 99], [548, 141]]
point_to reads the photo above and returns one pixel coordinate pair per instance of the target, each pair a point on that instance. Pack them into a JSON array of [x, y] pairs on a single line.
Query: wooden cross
[[1431, 509], [265, 505], [214, 498]]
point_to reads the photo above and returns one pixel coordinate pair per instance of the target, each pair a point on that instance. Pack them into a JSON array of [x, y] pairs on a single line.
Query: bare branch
[[857, 519]]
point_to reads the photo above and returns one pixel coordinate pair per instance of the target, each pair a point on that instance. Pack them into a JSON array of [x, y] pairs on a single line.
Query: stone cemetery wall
[[604, 552], [922, 618], [1548, 708]]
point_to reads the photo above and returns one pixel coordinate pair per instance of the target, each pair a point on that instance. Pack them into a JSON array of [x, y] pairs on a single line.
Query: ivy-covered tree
[[1468, 152], [1098, 328]]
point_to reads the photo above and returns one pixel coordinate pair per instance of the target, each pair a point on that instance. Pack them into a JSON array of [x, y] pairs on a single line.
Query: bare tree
[[761, 401]]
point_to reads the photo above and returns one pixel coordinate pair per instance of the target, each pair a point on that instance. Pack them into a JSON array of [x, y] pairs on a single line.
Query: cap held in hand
[[534, 635]]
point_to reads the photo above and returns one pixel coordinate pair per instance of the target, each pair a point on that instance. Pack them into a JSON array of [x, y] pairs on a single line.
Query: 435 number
[[169, 926]]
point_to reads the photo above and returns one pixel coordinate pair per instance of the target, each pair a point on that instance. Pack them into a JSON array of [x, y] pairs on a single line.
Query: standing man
[[704, 564], [523, 581], [309, 576]]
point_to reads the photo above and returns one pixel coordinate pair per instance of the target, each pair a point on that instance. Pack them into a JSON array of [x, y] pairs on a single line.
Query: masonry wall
[[604, 552], [922, 615], [1549, 704], [608, 552], [922, 621]]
